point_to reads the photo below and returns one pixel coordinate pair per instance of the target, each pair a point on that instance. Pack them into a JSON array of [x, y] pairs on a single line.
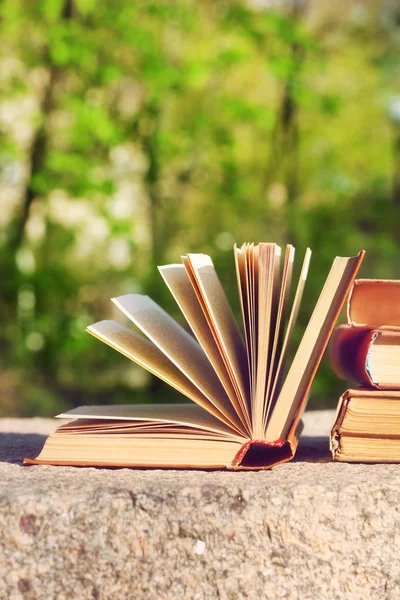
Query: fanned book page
[[246, 399]]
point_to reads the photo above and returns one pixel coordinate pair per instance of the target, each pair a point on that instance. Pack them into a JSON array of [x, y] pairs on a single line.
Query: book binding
[[257, 455], [349, 354]]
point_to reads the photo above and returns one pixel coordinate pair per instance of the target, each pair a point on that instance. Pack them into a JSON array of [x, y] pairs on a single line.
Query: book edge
[[288, 449]]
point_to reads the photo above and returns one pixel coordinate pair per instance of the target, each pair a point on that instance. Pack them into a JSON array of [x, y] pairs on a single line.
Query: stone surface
[[309, 529]]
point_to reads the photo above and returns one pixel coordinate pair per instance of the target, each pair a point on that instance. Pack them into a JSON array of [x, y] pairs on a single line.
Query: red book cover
[[350, 353]]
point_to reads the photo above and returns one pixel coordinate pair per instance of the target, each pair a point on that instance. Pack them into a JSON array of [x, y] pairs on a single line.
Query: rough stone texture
[[310, 529]]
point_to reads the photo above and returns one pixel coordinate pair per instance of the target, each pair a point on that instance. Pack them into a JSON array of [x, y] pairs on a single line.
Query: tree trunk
[[39, 144]]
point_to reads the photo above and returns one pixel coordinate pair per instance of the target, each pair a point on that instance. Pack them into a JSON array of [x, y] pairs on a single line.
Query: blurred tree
[[134, 132]]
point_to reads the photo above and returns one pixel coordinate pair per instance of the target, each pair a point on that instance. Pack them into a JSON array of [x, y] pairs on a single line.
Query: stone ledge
[[309, 529]]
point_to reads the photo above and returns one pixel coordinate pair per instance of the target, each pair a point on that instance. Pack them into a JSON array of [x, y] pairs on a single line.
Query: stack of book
[[367, 351]]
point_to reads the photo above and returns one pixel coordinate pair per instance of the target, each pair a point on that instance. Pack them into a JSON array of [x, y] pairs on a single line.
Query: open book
[[246, 405]]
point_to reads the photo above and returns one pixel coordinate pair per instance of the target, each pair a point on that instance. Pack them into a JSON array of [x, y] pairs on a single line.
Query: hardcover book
[[374, 303], [246, 406], [370, 357], [367, 427]]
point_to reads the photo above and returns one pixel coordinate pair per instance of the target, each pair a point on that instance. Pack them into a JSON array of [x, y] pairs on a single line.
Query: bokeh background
[[133, 132]]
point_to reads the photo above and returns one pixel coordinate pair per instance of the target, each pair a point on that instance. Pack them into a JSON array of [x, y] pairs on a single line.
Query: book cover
[[370, 357]]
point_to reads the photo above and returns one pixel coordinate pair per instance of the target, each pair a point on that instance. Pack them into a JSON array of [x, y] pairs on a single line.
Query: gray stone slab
[[309, 529]]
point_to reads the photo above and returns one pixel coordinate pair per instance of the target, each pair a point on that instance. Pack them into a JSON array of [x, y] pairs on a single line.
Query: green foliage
[[132, 132]]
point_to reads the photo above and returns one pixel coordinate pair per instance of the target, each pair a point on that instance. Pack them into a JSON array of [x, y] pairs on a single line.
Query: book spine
[[349, 354], [260, 454], [334, 438]]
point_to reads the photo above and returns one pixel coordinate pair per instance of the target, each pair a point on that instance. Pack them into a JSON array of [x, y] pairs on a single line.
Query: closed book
[[370, 357], [374, 303], [367, 426]]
